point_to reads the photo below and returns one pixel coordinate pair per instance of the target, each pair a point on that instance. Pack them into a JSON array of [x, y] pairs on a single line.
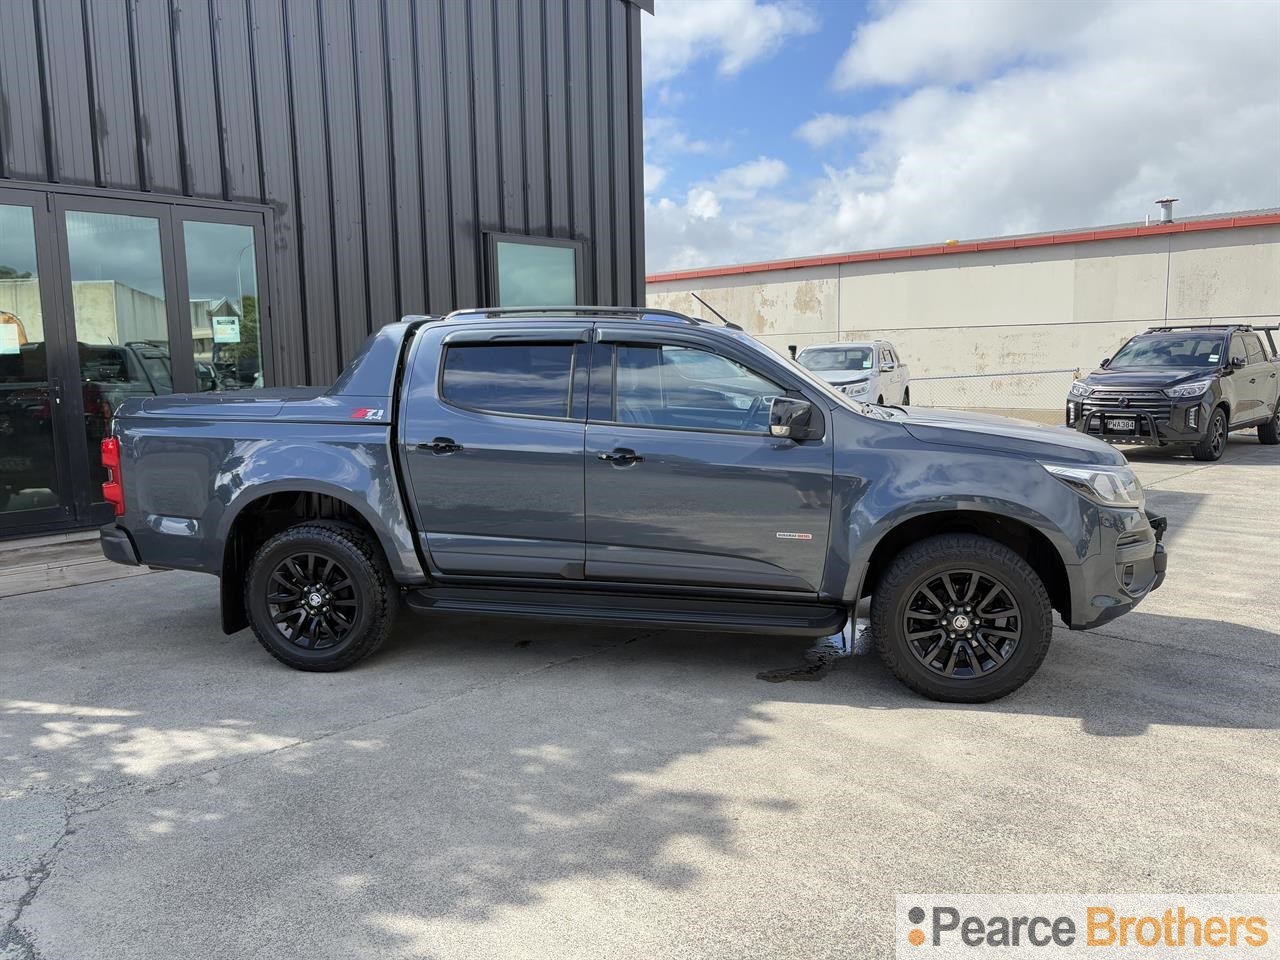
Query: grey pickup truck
[[627, 467]]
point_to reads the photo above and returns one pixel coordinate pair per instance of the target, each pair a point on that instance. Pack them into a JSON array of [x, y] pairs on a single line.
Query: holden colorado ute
[[627, 467]]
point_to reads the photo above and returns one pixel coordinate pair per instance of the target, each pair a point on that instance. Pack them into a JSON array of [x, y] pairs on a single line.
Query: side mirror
[[1106, 362], [888, 366], [791, 418], [1237, 363]]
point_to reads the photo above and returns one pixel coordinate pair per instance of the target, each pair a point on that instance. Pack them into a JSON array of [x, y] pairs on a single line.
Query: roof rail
[[493, 313], [1166, 328]]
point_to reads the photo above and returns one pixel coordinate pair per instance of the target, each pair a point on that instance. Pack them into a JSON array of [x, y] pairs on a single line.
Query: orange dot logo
[[915, 936]]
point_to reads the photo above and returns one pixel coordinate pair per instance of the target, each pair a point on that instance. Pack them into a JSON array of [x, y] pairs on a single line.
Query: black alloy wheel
[[962, 624], [1214, 441], [320, 595], [961, 618], [313, 601]]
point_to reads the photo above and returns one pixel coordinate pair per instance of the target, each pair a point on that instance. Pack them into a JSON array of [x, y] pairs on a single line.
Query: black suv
[[1183, 385]]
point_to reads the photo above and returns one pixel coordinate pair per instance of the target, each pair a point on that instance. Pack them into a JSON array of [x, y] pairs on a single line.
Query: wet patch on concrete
[[854, 640]]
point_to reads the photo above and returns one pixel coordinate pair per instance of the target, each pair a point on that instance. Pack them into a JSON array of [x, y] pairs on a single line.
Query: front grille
[[1156, 404]]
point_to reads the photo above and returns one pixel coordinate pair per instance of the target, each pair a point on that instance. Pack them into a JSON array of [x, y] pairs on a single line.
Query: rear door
[[892, 380], [492, 442], [684, 484], [1260, 376]]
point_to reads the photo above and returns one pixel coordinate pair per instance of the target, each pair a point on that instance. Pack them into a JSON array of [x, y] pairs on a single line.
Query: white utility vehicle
[[871, 371]]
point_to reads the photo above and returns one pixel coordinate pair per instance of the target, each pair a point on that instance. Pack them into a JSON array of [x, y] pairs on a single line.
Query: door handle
[[621, 457], [440, 446], [1253, 379]]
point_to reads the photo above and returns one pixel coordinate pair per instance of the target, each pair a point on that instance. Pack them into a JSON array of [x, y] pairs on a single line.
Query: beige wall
[[1031, 308], [22, 299]]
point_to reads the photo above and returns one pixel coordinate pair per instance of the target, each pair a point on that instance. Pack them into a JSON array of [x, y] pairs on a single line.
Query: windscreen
[[837, 358], [1192, 350]]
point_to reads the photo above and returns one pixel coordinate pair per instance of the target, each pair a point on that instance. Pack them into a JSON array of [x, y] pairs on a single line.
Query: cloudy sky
[[777, 128]]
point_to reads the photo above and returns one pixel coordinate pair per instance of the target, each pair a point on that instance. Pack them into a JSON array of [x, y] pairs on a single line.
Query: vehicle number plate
[[1120, 424]]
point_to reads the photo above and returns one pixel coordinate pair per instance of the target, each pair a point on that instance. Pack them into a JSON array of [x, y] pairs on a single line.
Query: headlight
[[853, 389], [1079, 389], [1188, 389], [1109, 486]]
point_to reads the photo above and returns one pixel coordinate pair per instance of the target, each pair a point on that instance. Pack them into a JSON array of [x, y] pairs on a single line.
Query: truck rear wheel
[[320, 597], [961, 618], [1269, 432]]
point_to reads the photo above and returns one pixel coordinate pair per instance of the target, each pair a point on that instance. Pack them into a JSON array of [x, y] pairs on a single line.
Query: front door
[[492, 440], [684, 484]]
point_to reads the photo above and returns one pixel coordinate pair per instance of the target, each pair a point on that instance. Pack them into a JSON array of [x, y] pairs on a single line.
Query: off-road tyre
[[1269, 432], [353, 552], [928, 559], [1214, 442]]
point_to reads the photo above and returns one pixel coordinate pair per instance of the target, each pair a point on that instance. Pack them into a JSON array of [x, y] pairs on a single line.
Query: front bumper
[[1131, 564], [117, 545], [1183, 422]]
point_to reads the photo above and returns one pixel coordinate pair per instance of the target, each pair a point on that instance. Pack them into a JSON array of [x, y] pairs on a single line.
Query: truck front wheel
[[1214, 441], [320, 597], [961, 618]]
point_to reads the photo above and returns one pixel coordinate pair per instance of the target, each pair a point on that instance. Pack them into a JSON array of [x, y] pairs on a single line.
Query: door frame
[[79, 506], [58, 368]]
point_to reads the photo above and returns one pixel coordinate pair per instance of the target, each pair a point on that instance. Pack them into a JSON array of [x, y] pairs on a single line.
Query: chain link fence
[[1038, 395]]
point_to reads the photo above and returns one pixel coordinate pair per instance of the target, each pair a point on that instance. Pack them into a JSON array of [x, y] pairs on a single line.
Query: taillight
[[112, 491]]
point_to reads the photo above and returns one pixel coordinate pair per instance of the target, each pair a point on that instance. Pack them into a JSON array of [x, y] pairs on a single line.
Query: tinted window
[[672, 386], [530, 379], [837, 358], [1171, 351], [535, 275], [1253, 349]]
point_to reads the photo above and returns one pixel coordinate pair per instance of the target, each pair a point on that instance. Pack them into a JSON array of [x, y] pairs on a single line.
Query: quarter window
[[673, 386], [525, 379]]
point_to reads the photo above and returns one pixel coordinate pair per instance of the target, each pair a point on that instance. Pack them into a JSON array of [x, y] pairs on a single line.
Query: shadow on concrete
[[476, 765]]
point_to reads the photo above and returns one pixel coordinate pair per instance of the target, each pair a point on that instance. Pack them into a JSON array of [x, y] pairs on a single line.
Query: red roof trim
[[932, 250]]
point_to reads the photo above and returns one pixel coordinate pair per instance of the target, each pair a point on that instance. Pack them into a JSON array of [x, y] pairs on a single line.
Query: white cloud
[[958, 41], [735, 33], [747, 179], [702, 204], [1015, 120], [665, 136], [653, 176], [826, 128]]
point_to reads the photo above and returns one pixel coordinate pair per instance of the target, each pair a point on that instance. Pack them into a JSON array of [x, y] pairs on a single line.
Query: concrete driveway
[[482, 789]]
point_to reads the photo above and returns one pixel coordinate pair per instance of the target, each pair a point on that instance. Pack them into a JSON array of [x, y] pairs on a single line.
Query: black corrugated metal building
[[212, 194]]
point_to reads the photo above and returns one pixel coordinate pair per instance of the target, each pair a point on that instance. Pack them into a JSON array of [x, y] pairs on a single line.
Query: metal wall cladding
[[387, 135]]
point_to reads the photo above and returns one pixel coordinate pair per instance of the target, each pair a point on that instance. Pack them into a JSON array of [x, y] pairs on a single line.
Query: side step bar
[[676, 613]]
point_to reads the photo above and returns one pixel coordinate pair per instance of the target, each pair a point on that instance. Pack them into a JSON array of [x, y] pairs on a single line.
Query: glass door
[[219, 265], [119, 265], [34, 482], [106, 299]]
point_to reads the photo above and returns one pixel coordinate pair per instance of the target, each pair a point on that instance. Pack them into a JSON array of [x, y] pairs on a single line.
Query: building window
[[534, 271], [222, 284]]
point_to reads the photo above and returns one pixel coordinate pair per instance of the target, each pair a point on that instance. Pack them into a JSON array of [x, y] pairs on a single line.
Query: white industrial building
[[1004, 305]]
